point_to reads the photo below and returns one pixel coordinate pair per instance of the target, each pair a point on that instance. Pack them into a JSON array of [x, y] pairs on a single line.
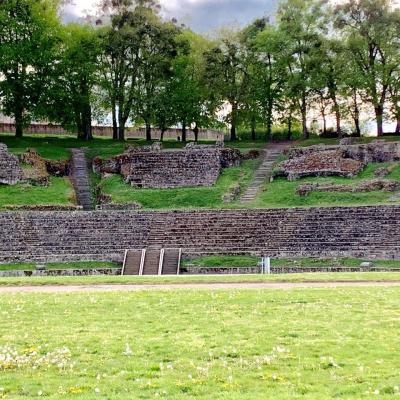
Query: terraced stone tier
[[313, 232]]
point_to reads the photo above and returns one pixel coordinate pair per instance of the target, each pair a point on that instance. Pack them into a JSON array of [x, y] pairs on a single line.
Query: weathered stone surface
[[375, 152], [38, 173], [375, 185], [149, 167], [10, 170], [232, 194], [324, 163], [359, 232]]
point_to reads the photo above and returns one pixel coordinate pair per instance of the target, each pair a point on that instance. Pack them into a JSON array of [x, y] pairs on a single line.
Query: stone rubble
[[10, 170]]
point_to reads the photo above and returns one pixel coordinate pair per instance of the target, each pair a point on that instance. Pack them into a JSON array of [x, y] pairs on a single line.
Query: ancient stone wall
[[104, 236], [106, 131], [10, 171]]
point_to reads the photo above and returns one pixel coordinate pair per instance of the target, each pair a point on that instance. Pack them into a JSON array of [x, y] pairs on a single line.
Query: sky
[[201, 15]]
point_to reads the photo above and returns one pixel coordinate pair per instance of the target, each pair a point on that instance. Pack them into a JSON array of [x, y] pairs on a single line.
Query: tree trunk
[[148, 132], [184, 131], [290, 127], [233, 122], [87, 123], [121, 132], [397, 131], [306, 134], [356, 115], [114, 121], [379, 119], [19, 124], [324, 128], [162, 134], [196, 133]]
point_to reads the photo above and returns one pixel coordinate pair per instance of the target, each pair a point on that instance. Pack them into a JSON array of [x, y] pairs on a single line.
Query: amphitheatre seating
[[311, 232], [152, 261]]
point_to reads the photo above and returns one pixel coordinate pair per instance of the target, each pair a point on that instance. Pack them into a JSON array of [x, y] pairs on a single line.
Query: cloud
[[206, 15], [200, 15]]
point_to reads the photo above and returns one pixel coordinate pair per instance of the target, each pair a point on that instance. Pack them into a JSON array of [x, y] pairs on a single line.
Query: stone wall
[[106, 131], [361, 232], [10, 171], [150, 167]]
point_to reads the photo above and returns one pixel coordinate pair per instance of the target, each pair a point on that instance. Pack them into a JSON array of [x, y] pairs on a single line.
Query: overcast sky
[[200, 15]]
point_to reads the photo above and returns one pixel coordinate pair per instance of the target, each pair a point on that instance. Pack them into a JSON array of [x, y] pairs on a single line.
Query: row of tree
[[132, 65]]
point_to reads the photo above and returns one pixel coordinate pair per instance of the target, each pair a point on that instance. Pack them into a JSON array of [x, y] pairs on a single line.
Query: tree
[[68, 99], [27, 41], [301, 24], [227, 75], [269, 74], [327, 73], [394, 96], [371, 30], [187, 90], [157, 50]]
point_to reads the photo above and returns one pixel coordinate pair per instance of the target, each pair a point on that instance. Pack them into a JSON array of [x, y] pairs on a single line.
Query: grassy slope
[[185, 197], [298, 344], [282, 193], [59, 192]]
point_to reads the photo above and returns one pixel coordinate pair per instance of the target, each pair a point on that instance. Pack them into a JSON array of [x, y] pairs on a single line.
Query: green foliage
[[27, 43]]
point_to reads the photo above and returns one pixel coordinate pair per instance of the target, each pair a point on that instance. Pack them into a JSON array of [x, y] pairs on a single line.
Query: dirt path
[[194, 286]]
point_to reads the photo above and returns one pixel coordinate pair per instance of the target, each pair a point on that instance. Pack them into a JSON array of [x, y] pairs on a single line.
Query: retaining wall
[[106, 131], [372, 232]]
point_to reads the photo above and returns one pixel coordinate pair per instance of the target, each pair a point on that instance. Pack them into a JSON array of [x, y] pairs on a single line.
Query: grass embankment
[[202, 279], [202, 197], [249, 261], [60, 266], [187, 344]]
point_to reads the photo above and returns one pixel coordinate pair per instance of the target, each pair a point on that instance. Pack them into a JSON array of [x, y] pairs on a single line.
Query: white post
[[268, 260]]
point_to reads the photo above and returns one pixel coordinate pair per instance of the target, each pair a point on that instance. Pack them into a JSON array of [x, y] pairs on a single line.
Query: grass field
[[238, 344], [202, 279]]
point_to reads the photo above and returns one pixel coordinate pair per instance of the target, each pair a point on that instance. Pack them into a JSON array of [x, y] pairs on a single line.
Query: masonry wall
[[106, 131], [69, 236], [200, 166]]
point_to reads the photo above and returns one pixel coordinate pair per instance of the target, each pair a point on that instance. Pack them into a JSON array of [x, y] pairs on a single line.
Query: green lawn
[[188, 344], [196, 279], [59, 192], [204, 197]]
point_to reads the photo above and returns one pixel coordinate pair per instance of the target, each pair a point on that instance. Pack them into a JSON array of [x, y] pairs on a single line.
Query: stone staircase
[[80, 179], [152, 261], [270, 155], [132, 262]]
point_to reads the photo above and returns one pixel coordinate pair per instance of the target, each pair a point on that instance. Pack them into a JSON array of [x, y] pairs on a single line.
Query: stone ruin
[[10, 170], [343, 160], [151, 167], [326, 163], [37, 172], [375, 185]]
